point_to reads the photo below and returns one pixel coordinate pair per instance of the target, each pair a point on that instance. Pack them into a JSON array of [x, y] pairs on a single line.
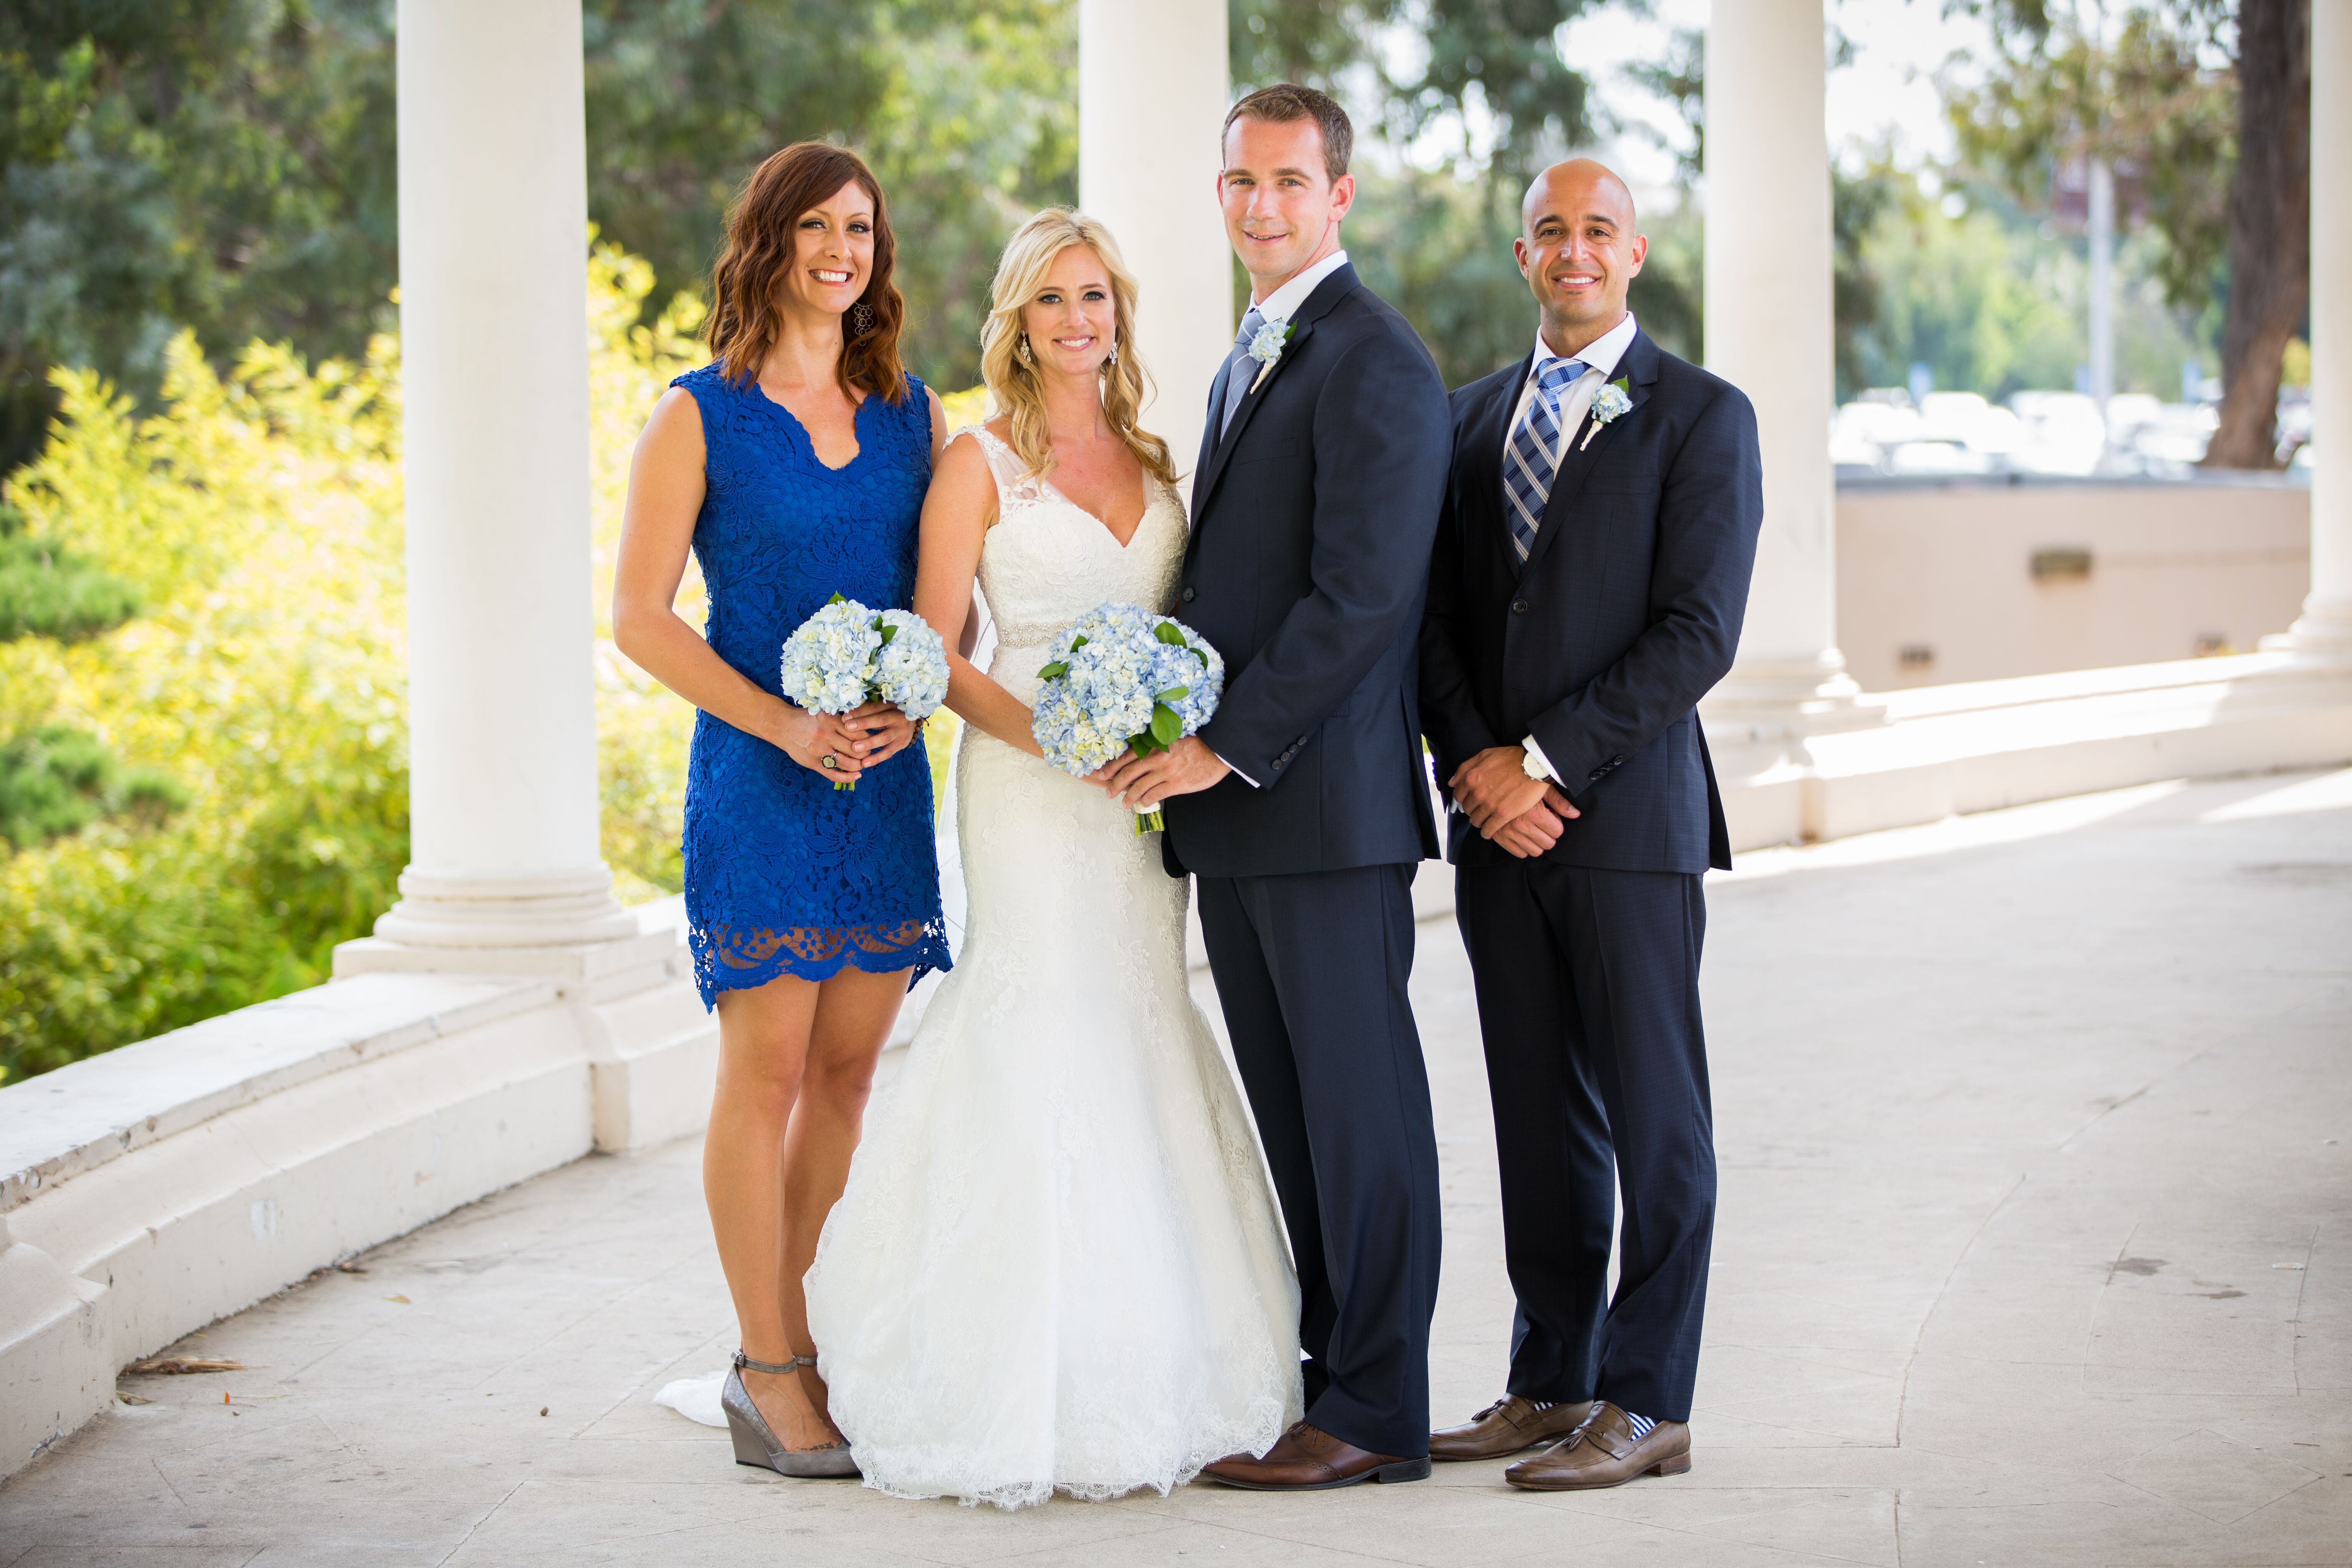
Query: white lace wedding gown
[[1056, 1264]]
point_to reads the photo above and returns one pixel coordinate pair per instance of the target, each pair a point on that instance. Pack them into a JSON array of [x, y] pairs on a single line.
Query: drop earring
[[861, 318], [1022, 352]]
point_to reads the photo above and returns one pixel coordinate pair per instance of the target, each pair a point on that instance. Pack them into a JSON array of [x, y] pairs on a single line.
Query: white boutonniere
[[1610, 403], [1266, 349]]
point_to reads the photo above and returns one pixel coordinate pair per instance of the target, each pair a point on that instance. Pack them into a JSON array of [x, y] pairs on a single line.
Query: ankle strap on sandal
[[778, 1368]]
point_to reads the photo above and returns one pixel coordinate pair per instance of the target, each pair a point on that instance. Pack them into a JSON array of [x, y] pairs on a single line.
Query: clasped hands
[[1525, 815], [1187, 767], [855, 741]]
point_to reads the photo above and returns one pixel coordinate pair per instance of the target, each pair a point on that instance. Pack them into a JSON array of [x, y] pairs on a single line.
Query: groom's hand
[[1187, 767], [1492, 788]]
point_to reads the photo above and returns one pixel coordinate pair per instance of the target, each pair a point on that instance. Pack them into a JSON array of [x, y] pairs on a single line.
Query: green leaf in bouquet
[[1077, 644], [1145, 744], [1196, 653], [887, 633], [838, 599], [1166, 632], [1060, 666], [1174, 694], [1167, 724]]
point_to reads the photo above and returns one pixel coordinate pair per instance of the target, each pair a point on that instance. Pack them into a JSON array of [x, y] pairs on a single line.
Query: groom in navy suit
[[1590, 579], [1303, 805]]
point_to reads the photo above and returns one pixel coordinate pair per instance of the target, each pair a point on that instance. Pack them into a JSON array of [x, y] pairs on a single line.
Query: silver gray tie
[[1239, 369]]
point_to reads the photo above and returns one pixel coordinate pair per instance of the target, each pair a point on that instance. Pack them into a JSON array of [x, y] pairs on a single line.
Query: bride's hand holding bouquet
[[1124, 681]]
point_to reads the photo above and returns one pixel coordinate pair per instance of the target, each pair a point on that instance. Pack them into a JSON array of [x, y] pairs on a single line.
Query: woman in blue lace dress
[[794, 465]]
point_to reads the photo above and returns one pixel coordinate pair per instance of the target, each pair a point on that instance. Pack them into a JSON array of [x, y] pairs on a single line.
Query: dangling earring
[[1022, 352], [1114, 352], [861, 318]]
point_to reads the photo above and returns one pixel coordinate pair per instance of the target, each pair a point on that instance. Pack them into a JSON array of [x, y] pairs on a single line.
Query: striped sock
[[1641, 1425]]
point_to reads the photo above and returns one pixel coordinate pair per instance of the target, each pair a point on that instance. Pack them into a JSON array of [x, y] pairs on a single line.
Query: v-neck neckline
[[809, 441], [1121, 546]]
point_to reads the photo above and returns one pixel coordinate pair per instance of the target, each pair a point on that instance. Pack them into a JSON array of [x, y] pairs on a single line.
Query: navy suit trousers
[[1311, 970], [1588, 997]]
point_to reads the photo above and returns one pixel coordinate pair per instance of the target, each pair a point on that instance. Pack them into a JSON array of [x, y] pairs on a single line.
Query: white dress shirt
[[1279, 307], [1283, 303], [1600, 357]]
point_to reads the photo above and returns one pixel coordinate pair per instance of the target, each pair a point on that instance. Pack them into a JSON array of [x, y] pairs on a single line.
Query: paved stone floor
[[2036, 1247]]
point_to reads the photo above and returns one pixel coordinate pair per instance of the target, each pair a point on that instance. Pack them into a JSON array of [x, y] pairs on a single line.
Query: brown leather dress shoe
[[1305, 1459], [1507, 1426], [1602, 1452]]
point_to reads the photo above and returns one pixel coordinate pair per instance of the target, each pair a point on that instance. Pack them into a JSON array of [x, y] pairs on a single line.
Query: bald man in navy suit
[[1588, 585]]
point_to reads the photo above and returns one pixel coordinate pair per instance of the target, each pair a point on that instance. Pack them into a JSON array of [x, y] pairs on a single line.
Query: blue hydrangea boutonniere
[[1266, 349], [1609, 404]]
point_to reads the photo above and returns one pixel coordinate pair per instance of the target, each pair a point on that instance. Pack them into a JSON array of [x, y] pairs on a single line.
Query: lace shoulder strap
[[1013, 482]]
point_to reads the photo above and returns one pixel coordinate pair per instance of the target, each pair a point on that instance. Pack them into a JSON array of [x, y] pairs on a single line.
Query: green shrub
[[57, 781]]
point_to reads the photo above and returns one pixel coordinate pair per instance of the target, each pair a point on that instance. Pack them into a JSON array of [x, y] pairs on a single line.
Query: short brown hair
[[1286, 101], [761, 227]]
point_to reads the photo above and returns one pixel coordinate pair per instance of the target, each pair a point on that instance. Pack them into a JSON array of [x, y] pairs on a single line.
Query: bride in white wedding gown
[[1056, 1264]]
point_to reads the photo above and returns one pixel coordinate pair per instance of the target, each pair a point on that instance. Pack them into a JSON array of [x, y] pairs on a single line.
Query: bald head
[[1578, 250], [1581, 187]]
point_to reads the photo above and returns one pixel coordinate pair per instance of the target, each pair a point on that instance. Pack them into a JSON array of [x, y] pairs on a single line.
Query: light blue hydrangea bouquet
[[1124, 678], [846, 655]]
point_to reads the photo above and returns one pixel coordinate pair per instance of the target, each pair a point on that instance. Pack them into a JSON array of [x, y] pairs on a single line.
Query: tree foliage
[[2204, 109], [257, 514], [227, 166]]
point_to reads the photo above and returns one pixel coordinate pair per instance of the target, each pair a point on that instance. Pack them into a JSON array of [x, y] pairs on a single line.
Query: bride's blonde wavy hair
[[1013, 389]]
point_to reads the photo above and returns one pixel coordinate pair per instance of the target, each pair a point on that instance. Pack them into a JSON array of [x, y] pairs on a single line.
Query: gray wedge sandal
[[756, 1442]]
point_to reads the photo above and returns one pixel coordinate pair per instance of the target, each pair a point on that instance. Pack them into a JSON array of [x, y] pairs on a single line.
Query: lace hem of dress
[[726, 959]]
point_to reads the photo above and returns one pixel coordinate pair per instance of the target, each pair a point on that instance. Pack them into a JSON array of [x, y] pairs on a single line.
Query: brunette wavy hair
[[1015, 389], [762, 229]]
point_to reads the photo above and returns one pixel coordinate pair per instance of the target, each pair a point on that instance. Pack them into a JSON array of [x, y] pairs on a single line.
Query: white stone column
[[1770, 332], [493, 316], [1151, 94], [2326, 625]]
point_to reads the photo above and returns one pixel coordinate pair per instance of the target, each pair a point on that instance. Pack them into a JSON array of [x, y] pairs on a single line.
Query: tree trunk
[[2269, 228]]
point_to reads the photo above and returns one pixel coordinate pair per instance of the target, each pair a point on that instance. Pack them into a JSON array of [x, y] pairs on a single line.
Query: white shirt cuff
[[1234, 771], [1538, 765]]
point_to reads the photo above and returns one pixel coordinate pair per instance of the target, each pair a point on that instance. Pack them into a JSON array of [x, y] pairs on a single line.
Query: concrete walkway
[[2036, 1247]]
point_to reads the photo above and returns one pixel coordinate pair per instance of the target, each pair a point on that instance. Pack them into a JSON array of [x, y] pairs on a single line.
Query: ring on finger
[[831, 760]]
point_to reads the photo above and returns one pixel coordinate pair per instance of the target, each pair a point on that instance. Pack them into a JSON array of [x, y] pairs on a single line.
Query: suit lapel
[[1219, 449], [1638, 369], [1485, 517]]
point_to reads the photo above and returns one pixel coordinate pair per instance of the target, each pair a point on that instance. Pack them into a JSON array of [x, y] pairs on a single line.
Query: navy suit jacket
[[1307, 568], [1626, 613]]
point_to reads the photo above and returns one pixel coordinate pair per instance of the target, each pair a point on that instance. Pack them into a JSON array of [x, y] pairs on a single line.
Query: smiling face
[[1578, 251], [1072, 319], [1282, 207], [832, 253]]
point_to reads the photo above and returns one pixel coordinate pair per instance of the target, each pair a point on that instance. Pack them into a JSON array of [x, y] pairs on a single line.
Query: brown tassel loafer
[[1510, 1426], [1306, 1459], [1602, 1452]]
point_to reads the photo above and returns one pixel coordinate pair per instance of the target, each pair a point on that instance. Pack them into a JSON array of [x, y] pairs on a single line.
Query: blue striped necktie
[[1532, 457]]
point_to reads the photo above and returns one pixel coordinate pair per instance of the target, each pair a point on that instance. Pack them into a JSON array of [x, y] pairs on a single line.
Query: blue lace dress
[[784, 874]]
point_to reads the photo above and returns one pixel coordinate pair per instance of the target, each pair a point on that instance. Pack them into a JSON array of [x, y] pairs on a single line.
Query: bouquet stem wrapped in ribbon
[[846, 655], [1123, 679]]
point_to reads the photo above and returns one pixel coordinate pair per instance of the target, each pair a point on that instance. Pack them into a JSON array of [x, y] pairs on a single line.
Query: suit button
[[1188, 596], [1518, 606]]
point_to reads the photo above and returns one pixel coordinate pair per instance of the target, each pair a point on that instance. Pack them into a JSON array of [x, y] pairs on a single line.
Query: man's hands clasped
[[1526, 815]]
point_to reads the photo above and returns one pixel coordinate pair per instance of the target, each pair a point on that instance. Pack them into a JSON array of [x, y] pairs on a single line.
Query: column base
[[1787, 700], [2322, 631], [558, 908], [624, 975]]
